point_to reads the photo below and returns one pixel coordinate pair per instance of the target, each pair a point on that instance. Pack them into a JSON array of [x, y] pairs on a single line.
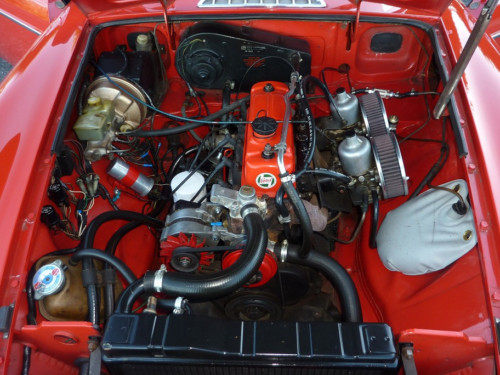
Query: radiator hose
[[211, 286], [335, 274]]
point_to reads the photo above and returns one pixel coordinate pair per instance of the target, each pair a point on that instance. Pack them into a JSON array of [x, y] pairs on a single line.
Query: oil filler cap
[[49, 280], [264, 126]]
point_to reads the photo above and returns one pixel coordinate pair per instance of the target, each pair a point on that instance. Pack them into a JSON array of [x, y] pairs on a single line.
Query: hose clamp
[[179, 306], [284, 251], [158, 280], [290, 177], [249, 209], [284, 219]]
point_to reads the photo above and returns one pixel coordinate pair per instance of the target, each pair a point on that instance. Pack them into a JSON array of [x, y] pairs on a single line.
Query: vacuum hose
[[211, 286]]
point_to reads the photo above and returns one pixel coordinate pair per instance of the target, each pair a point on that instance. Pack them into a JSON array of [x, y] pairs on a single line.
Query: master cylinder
[[266, 112]]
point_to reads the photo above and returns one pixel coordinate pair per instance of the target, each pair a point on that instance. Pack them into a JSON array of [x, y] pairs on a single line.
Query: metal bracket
[[6, 319], [408, 359], [95, 357]]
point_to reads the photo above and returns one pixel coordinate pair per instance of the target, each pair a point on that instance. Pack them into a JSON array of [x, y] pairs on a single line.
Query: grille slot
[[261, 3]]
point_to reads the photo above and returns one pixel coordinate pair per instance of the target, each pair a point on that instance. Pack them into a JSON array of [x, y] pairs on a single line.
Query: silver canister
[[348, 106], [130, 177], [355, 154]]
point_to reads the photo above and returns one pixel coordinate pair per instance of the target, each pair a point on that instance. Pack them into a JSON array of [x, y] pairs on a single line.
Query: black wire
[[105, 191], [340, 71], [258, 62], [178, 160], [163, 159], [125, 61], [223, 163], [192, 122], [200, 149], [207, 158], [201, 94]]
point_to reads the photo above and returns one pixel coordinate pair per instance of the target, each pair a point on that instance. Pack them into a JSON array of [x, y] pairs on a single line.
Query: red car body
[[449, 316]]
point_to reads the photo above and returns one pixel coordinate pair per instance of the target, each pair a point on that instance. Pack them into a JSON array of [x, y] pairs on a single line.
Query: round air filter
[[374, 115], [389, 165]]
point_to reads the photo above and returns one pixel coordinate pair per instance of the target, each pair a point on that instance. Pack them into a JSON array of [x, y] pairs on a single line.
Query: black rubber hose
[[120, 266], [302, 215], [190, 126], [280, 205], [119, 234], [223, 282], [325, 172], [92, 296], [109, 291], [309, 116], [88, 241], [333, 106], [196, 286], [338, 277], [129, 296], [84, 368], [374, 223], [280, 202], [90, 233]]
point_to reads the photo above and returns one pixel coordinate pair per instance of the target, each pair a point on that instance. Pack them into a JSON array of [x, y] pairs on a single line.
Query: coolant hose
[[336, 275], [88, 241], [91, 231], [195, 286], [302, 215], [120, 266]]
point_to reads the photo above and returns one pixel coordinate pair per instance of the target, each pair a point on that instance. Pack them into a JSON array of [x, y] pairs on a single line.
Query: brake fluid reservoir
[[266, 112], [95, 120]]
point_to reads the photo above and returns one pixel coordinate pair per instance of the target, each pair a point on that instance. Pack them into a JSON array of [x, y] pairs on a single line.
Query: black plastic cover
[[264, 126], [142, 67], [212, 54], [386, 42], [143, 343]]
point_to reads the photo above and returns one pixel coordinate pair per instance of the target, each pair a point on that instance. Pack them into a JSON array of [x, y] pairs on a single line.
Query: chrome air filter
[[389, 165], [374, 115]]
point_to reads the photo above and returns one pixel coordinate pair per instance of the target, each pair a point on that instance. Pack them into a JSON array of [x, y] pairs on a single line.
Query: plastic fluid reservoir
[[187, 189]]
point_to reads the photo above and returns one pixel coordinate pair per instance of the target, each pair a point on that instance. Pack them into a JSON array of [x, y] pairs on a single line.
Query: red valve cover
[[267, 99]]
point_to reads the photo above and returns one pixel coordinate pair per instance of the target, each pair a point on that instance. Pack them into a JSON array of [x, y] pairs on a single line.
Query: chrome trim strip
[[20, 23]]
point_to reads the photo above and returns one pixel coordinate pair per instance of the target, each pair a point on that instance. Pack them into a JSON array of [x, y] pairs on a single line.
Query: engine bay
[[257, 176]]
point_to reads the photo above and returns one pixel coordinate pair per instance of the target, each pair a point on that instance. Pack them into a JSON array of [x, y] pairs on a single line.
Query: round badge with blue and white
[[48, 280]]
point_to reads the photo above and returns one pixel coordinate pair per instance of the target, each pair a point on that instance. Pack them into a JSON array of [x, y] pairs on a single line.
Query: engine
[[270, 155], [248, 171]]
